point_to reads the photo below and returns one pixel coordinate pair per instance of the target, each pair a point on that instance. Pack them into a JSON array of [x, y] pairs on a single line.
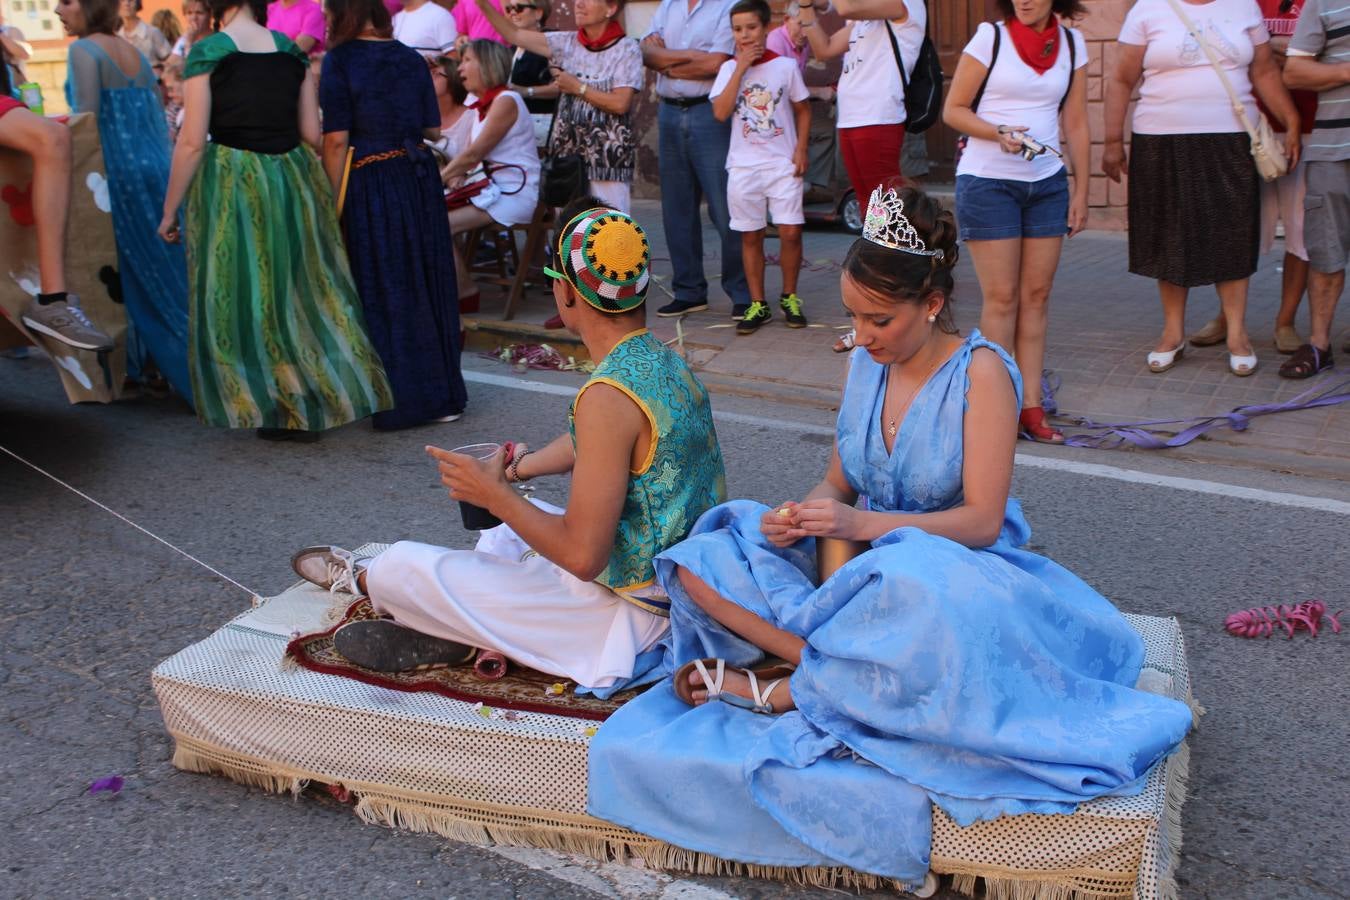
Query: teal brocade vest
[[682, 476]]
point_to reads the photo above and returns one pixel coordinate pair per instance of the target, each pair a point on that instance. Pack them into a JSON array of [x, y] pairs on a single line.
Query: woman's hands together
[[789, 522], [566, 81]]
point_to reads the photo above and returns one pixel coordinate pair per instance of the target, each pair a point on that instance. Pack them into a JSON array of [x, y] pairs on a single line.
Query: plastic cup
[[30, 94], [476, 518]]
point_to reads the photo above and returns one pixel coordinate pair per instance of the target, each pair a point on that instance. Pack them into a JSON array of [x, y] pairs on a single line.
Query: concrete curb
[[489, 334]]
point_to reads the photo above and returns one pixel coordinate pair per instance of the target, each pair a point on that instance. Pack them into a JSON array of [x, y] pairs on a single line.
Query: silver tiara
[[887, 226]]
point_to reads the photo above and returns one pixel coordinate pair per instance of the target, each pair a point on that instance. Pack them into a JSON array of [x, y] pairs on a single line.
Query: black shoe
[[755, 316], [383, 645], [288, 434], [738, 311], [681, 307], [792, 310]]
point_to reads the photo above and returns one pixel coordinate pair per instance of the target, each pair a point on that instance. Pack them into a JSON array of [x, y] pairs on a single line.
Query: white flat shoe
[[1161, 362], [1242, 366]]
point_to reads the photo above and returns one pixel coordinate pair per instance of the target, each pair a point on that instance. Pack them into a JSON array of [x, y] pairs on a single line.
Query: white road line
[[609, 879], [1195, 485], [1091, 470]]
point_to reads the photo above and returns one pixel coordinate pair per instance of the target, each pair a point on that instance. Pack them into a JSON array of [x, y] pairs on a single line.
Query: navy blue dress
[[398, 236]]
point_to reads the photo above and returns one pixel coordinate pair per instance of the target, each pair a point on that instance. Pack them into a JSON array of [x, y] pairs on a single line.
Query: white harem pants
[[502, 596]]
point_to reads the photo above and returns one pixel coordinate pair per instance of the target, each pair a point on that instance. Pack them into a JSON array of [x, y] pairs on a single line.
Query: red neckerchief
[[612, 34], [484, 103], [768, 55], [1038, 49]]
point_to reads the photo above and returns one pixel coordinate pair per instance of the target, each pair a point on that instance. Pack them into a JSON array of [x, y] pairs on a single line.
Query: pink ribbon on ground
[[489, 665], [1262, 620]]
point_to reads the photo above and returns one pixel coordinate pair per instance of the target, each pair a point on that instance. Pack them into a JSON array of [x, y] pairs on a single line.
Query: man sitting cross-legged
[[572, 592]]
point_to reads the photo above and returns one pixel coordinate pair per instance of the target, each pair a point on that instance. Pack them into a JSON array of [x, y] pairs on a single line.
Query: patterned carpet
[[521, 689]]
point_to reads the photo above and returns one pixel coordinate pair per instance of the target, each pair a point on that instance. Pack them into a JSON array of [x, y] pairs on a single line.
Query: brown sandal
[[1306, 362], [1215, 331]]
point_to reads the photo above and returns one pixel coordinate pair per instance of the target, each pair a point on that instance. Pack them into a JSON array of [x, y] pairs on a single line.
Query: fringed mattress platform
[[483, 774]]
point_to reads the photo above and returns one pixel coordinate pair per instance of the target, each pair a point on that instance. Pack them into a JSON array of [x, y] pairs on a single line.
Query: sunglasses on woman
[[520, 7]]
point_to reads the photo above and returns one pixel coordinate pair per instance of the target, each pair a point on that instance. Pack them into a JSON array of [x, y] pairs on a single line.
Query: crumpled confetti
[[488, 712], [111, 785], [587, 730], [557, 689], [539, 356]]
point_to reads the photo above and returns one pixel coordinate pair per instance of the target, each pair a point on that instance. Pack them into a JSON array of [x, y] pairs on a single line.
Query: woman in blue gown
[[111, 79], [945, 664], [378, 100]]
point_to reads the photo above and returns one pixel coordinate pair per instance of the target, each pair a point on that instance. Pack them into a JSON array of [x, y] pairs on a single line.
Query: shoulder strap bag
[[1266, 150], [562, 176], [923, 92]]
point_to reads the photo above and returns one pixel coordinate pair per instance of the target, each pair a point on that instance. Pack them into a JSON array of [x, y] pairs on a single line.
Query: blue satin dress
[[989, 681], [136, 155]]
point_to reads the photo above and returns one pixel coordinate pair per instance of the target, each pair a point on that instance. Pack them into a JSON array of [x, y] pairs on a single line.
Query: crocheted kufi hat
[[604, 254]]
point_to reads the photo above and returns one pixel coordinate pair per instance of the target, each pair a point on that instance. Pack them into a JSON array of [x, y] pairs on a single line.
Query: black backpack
[[923, 92]]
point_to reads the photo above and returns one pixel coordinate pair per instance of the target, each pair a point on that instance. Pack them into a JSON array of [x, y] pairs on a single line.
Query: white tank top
[[517, 147], [870, 90]]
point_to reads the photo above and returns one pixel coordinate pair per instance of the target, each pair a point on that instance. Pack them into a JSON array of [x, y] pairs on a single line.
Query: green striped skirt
[[277, 337]]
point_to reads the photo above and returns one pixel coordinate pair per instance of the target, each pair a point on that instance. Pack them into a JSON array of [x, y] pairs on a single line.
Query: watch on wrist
[[529, 91], [584, 87]]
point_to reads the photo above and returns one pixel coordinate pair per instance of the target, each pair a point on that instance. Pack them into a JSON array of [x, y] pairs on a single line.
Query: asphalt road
[[91, 605]]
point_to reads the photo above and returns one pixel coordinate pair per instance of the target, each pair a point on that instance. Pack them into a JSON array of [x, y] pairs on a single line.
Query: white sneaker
[[331, 568]]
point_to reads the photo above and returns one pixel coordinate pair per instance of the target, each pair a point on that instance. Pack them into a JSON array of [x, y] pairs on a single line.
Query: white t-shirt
[[1181, 93], [1016, 95], [429, 29], [870, 91], [763, 127]]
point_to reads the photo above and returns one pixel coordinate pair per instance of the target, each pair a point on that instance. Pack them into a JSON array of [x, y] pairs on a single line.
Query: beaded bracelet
[[514, 471]]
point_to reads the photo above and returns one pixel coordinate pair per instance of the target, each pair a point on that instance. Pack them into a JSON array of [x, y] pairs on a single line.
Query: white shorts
[[752, 191], [1282, 201], [614, 194]]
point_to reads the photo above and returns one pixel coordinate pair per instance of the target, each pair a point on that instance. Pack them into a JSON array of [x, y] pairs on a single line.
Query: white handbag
[[1267, 150]]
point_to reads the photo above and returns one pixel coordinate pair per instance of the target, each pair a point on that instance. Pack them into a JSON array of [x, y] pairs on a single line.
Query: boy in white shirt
[[426, 27], [769, 134]]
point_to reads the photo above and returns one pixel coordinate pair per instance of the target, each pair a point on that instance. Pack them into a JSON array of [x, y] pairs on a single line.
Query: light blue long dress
[[136, 156], [987, 681]]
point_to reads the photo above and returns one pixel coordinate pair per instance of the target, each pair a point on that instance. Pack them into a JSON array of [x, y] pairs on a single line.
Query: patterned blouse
[[606, 142]]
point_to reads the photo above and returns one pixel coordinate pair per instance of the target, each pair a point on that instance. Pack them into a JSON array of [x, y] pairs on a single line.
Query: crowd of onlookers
[[432, 122]]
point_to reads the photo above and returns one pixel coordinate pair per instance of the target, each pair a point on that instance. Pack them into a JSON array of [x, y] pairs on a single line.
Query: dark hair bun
[[911, 277]]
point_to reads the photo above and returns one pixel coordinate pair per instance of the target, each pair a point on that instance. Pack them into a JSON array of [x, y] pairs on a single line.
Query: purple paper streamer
[[112, 784], [1146, 435]]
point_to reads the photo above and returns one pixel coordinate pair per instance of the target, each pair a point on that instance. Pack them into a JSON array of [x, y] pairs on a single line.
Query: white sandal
[[1242, 366], [759, 701], [1161, 362]]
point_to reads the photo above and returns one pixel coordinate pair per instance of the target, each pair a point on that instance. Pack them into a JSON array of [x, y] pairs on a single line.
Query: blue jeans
[[693, 165]]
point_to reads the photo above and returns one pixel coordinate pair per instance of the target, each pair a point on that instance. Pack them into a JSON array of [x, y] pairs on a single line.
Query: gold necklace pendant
[[891, 429]]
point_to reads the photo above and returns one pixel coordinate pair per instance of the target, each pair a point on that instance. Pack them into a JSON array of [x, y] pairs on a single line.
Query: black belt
[[684, 102]]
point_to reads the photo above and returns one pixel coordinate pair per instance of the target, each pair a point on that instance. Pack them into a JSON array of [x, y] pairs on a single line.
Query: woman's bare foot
[[736, 683]]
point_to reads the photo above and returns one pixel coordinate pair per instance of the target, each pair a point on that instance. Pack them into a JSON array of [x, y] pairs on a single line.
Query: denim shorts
[[991, 209]]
